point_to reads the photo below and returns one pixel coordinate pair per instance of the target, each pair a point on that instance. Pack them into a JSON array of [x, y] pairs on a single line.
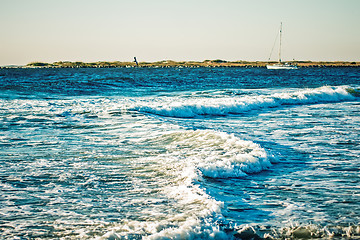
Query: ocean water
[[179, 153]]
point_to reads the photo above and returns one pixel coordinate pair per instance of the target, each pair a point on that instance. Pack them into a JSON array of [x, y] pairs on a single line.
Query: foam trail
[[189, 108]]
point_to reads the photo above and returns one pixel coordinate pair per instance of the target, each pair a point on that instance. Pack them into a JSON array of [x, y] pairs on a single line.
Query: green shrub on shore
[[38, 64], [219, 61]]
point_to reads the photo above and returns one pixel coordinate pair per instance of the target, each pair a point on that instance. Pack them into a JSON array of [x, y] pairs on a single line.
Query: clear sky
[[154, 30]]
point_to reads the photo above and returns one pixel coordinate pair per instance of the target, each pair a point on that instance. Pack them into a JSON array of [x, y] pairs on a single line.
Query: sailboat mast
[[280, 65], [280, 43]]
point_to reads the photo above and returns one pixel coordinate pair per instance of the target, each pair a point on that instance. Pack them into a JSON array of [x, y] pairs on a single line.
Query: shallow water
[[179, 153]]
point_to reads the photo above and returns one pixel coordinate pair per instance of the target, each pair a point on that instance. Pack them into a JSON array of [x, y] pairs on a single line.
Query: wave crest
[[188, 156], [222, 106], [218, 154]]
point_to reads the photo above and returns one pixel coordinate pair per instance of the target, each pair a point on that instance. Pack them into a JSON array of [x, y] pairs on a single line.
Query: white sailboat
[[280, 64]]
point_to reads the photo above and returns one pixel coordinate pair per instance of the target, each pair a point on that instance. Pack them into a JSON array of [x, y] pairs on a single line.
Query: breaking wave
[[222, 106], [191, 155], [188, 156], [218, 154]]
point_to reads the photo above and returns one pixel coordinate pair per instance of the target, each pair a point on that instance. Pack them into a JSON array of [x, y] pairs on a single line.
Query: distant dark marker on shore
[[137, 64]]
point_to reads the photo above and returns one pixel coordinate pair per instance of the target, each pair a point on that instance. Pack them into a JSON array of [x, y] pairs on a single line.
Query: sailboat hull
[[281, 66]]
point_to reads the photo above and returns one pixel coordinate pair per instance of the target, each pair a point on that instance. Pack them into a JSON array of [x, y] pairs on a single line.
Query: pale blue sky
[[110, 30]]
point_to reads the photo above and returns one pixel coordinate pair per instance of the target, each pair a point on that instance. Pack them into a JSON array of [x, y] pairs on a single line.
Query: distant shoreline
[[186, 64]]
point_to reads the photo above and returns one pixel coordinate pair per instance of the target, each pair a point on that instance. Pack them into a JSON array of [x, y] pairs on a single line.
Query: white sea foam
[[221, 155], [211, 154], [190, 155], [220, 106]]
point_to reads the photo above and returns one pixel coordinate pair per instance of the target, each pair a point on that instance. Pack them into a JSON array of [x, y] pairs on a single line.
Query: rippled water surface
[[179, 153]]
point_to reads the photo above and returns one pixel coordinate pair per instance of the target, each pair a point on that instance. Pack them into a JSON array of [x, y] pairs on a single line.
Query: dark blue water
[[179, 153], [147, 81]]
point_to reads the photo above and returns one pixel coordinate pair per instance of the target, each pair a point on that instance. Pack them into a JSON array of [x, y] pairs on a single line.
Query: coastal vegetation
[[190, 64]]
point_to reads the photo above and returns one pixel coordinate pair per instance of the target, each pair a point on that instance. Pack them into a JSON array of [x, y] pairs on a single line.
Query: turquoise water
[[170, 153]]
